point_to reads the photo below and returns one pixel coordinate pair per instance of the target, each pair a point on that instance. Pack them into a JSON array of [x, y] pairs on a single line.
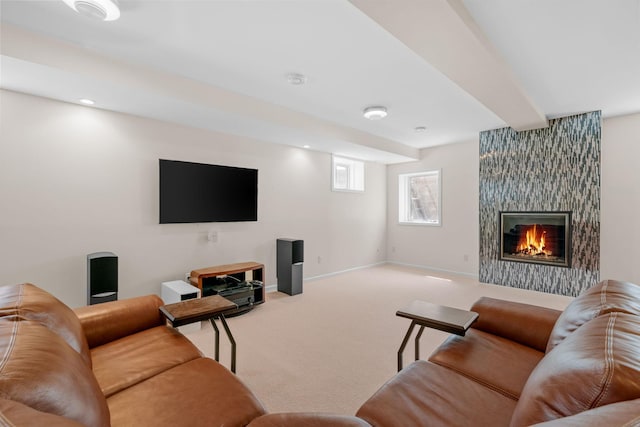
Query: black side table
[[433, 316], [207, 308]]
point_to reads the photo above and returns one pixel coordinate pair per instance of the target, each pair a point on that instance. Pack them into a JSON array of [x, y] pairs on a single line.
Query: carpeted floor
[[331, 347]]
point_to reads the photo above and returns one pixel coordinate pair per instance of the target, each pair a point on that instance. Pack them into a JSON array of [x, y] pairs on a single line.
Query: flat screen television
[[197, 192]]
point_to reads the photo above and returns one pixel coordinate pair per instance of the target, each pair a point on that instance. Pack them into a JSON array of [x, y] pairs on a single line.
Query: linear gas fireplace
[[536, 237]]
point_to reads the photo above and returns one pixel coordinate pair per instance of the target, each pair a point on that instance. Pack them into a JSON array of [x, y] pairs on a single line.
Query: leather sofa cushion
[[495, 362], [307, 419], [596, 365], [176, 398], [13, 413], [608, 296], [113, 320], [28, 302], [426, 394], [132, 359], [39, 369]]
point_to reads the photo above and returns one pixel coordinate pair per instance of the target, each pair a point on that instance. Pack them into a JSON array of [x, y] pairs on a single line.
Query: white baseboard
[[321, 276], [427, 267], [274, 287], [271, 288]]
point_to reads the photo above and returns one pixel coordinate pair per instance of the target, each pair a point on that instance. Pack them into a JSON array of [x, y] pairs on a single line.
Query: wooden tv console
[[240, 271]]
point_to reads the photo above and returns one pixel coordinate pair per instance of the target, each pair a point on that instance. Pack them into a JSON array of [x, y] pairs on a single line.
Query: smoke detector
[[103, 10], [375, 113], [296, 79]]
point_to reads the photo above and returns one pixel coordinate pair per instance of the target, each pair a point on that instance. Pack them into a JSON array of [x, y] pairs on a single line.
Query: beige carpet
[[331, 347]]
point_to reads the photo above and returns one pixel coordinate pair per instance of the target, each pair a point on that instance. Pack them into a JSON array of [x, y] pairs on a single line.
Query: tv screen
[[196, 192]]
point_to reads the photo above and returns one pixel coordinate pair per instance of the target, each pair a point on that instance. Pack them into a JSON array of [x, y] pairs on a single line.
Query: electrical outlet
[[212, 236]]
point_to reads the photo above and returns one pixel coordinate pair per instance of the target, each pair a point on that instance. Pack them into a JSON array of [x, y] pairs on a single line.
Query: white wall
[[444, 247], [76, 180], [620, 199], [453, 246]]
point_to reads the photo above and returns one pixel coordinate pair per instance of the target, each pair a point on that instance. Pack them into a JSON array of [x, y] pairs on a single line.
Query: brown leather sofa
[[518, 365], [112, 364]]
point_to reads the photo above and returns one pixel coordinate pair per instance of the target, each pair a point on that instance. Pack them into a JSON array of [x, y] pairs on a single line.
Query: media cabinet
[[208, 280]]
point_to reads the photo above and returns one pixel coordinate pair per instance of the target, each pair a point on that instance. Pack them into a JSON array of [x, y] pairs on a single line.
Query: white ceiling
[[455, 66]]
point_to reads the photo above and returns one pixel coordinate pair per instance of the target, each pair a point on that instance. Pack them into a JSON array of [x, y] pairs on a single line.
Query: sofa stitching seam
[[14, 331], [609, 365], [5, 419], [19, 301], [10, 347], [632, 423]]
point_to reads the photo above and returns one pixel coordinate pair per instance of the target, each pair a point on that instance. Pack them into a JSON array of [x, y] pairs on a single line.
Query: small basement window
[[347, 174], [419, 198]]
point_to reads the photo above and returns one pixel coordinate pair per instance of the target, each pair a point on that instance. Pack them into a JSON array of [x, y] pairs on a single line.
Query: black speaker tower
[[102, 277], [290, 256]]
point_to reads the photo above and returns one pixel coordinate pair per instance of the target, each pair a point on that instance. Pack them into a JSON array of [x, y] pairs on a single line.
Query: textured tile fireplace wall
[[551, 169]]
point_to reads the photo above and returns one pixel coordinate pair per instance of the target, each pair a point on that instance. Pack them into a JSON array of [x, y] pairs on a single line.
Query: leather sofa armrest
[[526, 324], [109, 321], [14, 413], [623, 414], [307, 419]]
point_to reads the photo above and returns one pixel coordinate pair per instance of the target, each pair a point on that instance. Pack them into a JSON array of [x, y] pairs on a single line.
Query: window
[[348, 174], [419, 198]]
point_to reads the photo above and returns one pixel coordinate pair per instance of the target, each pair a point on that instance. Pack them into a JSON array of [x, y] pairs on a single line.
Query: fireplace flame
[[533, 242]]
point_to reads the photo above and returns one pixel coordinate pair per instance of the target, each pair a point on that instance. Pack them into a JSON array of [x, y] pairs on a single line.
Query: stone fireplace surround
[[543, 170]]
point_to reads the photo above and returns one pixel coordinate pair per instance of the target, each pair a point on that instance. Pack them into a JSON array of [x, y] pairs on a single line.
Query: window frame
[[404, 198], [354, 167]]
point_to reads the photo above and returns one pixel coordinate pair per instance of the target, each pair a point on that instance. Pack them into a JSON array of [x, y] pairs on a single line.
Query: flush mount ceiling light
[[375, 113], [296, 79], [103, 10], [86, 101]]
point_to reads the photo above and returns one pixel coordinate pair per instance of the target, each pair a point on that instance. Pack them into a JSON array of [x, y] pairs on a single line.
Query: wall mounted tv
[[197, 192]]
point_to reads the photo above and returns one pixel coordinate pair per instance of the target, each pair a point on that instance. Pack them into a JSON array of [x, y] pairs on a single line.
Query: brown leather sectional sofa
[[112, 364], [519, 365]]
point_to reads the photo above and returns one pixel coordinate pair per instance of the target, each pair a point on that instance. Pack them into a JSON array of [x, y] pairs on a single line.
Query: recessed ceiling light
[[296, 79], [86, 101], [104, 10], [420, 129], [306, 146], [375, 113]]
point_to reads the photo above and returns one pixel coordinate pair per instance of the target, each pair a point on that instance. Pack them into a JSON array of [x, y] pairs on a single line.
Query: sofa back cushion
[[40, 370], [110, 321], [608, 296], [28, 302], [506, 319], [596, 365]]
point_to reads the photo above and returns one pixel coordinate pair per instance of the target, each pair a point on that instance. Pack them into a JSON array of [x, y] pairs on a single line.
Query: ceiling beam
[[445, 35], [217, 102]]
